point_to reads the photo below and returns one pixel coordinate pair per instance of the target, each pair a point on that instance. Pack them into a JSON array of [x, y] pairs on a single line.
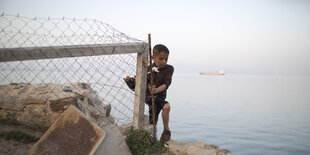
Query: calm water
[[246, 114]]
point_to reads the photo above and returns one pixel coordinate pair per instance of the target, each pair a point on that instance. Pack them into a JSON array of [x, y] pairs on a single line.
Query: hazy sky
[[238, 36]]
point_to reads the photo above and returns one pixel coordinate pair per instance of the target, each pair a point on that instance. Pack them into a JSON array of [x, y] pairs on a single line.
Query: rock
[[126, 128], [62, 104], [67, 89], [201, 144], [8, 96], [224, 152], [200, 148], [42, 104], [108, 110], [181, 148]]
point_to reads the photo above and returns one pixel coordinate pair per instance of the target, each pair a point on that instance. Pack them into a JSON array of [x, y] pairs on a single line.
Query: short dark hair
[[160, 48]]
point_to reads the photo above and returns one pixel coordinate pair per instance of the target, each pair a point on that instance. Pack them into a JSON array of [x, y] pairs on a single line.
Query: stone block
[[72, 133]]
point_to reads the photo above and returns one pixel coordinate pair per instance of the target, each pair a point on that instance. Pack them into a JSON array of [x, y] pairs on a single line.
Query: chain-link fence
[[65, 51]]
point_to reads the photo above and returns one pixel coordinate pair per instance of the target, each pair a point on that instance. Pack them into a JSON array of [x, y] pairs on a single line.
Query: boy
[[162, 77]]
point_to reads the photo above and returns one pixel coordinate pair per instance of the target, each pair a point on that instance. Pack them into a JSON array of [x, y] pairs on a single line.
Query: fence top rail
[[51, 52]]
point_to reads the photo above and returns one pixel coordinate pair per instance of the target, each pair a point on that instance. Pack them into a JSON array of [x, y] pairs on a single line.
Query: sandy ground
[[10, 147]]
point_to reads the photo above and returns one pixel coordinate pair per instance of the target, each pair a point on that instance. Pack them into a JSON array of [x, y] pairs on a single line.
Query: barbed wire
[[103, 72]]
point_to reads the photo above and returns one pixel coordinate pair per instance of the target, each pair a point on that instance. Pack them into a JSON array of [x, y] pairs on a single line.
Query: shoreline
[[28, 109]]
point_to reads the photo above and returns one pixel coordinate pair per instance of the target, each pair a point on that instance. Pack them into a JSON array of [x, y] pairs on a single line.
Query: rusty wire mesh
[[104, 73]]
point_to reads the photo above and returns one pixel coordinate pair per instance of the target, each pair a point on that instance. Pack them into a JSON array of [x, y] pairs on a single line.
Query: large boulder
[[42, 104]]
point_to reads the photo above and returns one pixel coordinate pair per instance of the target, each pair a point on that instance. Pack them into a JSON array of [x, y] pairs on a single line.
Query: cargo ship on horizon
[[220, 73]]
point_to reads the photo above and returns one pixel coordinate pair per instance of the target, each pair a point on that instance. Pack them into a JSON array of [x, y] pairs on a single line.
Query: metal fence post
[[140, 88]]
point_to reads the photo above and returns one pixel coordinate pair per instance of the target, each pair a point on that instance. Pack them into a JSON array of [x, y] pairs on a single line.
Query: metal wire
[[103, 72]]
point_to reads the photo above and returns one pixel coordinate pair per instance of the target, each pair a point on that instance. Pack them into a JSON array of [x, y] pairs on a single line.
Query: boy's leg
[[158, 107], [165, 116], [166, 135], [161, 104], [151, 114]]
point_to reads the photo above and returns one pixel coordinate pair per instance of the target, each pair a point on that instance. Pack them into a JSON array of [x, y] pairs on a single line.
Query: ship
[[220, 73]]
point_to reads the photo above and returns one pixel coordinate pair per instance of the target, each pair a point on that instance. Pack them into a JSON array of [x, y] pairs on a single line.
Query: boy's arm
[[168, 77]]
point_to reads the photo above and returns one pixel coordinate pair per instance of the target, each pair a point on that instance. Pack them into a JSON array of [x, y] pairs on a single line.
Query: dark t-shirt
[[164, 76]]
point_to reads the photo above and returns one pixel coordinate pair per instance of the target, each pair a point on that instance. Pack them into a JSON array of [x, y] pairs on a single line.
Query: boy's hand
[[128, 78], [153, 89], [130, 81], [156, 90]]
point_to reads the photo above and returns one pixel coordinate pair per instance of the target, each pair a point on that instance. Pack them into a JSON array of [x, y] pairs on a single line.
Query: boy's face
[[160, 59]]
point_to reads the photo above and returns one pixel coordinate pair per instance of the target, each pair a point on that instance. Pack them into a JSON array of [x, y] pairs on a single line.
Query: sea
[[245, 114]]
